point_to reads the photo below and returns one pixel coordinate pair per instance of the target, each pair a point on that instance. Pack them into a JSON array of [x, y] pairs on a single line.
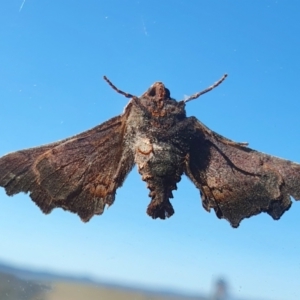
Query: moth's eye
[[152, 91], [159, 90], [167, 93]]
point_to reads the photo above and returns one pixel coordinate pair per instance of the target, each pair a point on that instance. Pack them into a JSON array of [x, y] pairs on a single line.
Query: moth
[[82, 173]]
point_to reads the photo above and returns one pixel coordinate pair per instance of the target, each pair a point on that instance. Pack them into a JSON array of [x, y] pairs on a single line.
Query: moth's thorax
[[158, 102]]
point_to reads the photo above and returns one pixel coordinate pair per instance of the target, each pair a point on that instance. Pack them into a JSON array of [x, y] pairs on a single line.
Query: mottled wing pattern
[[79, 174], [238, 182]]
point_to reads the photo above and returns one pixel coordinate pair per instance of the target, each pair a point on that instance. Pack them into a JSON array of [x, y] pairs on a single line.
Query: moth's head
[[158, 102], [157, 92]]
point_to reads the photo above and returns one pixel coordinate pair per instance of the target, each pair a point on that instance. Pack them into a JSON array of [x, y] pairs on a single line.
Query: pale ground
[[13, 288], [75, 291]]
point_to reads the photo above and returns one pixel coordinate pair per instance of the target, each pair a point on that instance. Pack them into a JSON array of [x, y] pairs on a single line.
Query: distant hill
[[24, 284], [13, 288], [28, 274]]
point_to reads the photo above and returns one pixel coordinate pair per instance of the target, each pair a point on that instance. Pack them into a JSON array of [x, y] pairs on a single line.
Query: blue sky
[[53, 55]]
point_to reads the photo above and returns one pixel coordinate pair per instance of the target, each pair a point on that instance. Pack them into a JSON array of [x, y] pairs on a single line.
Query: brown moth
[[82, 173]]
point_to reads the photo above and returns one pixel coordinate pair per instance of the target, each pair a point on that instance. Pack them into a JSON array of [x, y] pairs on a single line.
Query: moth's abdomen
[[161, 167]]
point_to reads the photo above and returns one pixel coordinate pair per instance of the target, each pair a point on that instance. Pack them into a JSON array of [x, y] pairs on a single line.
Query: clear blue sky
[[53, 55]]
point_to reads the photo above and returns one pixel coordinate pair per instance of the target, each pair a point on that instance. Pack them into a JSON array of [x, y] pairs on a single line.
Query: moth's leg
[[189, 124], [219, 137]]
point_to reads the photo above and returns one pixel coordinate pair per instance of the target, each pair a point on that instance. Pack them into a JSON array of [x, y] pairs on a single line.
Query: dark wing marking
[[79, 174], [239, 182]]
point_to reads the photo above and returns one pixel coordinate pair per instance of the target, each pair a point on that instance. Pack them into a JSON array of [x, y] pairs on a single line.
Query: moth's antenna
[[197, 95], [117, 90]]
